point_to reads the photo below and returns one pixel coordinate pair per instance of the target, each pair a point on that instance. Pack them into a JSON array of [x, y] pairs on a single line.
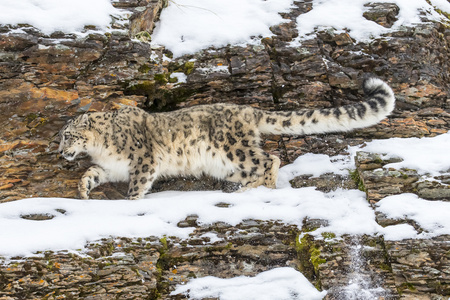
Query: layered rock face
[[45, 80]]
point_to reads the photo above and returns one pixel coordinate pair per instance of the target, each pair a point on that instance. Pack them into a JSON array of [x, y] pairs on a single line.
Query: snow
[[58, 15], [443, 5], [426, 155], [89, 220], [180, 76], [187, 26], [329, 14], [432, 216], [279, 283], [359, 288], [314, 165], [429, 156]]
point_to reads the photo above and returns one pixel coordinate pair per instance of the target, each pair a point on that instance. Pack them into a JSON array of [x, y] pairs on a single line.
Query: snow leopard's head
[[74, 137]]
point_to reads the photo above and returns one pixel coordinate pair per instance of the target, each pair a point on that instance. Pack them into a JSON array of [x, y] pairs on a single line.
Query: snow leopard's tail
[[379, 104]]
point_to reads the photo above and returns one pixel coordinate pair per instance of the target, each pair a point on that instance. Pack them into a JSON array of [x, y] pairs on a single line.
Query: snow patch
[[431, 216], [90, 220], [187, 26], [58, 15], [426, 155], [347, 16], [180, 76], [314, 165], [279, 283]]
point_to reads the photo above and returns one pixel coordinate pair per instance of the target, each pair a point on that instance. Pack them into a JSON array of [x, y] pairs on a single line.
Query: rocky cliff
[[47, 79]]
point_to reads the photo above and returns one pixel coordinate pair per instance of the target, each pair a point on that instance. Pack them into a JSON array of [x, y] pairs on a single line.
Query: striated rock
[[379, 182], [384, 14], [324, 183], [151, 267], [421, 267]]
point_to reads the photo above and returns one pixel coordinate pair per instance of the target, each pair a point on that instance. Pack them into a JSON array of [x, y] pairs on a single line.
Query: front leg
[[141, 181], [93, 177]]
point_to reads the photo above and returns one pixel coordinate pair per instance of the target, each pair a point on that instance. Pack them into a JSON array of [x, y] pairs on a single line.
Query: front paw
[[134, 197], [84, 194], [83, 189]]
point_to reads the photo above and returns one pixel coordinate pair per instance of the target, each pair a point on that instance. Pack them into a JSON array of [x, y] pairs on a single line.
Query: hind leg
[[245, 179], [259, 169], [271, 172]]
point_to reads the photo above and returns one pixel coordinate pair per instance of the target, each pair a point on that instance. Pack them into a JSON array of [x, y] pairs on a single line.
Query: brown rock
[[384, 14]]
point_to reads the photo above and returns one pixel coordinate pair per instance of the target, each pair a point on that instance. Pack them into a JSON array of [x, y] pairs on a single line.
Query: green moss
[[378, 160], [129, 249], [136, 270], [161, 265], [328, 235], [166, 261], [165, 246], [50, 265], [143, 36], [185, 68], [188, 67], [35, 120], [169, 54], [173, 79], [315, 258], [385, 267], [144, 87], [354, 174], [105, 249], [446, 14], [159, 97], [174, 96], [144, 68], [31, 117], [309, 256], [164, 78], [406, 286], [161, 78], [219, 248]]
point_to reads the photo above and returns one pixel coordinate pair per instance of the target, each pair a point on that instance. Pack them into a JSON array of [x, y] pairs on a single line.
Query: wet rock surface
[[47, 79]]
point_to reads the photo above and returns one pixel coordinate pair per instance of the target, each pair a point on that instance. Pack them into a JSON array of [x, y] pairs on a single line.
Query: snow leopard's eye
[[67, 136]]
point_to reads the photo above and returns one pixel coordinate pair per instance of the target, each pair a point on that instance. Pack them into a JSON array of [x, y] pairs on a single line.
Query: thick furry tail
[[380, 102]]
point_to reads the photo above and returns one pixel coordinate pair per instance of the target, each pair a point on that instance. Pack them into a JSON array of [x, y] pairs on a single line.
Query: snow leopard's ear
[[83, 121]]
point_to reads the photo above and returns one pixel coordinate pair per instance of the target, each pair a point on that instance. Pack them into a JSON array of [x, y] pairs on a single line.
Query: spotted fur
[[220, 140]]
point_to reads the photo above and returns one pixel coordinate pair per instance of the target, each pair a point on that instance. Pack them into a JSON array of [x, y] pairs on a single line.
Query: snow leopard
[[219, 140]]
